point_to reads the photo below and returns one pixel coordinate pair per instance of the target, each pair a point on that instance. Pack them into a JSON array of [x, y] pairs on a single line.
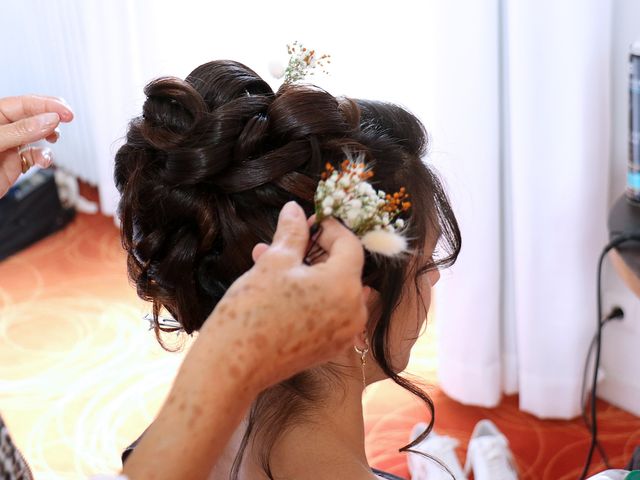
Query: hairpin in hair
[[371, 214], [163, 322], [302, 63]]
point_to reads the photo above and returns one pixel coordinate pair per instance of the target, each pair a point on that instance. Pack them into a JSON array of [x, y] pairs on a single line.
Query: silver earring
[[363, 359]]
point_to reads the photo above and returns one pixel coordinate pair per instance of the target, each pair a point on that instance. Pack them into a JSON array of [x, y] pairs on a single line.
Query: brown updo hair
[[205, 171]]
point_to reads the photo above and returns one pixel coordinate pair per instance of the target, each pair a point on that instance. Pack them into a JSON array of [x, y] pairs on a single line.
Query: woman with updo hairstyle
[[203, 174]]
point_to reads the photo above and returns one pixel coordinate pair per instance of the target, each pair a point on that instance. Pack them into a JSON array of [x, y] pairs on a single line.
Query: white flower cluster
[[302, 61], [348, 196]]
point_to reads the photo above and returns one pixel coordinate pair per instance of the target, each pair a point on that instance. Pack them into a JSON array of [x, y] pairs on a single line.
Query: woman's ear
[[361, 341], [370, 297], [366, 294]]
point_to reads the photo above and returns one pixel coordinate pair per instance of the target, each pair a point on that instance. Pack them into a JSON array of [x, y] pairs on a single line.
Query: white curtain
[[525, 132]]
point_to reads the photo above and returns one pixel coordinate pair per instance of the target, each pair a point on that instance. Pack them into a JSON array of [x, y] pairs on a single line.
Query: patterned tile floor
[[80, 375]]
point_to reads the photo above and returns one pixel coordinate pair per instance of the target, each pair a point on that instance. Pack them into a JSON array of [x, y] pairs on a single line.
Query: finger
[[261, 247], [311, 220], [28, 130], [11, 165], [12, 162], [292, 233], [43, 157], [10, 170], [13, 109], [53, 138], [258, 250], [343, 247]]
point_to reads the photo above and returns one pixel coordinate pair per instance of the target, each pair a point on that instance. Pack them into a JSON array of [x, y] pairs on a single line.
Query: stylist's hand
[[279, 318], [284, 316], [24, 120]]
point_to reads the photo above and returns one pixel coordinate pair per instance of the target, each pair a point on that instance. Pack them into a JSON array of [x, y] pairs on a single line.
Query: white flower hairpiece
[[369, 213], [302, 62]]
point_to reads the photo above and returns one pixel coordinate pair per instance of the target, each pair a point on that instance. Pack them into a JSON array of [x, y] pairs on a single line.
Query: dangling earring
[[363, 358]]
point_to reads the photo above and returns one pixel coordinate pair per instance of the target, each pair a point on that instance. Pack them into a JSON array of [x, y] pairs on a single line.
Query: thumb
[[28, 130], [292, 233]]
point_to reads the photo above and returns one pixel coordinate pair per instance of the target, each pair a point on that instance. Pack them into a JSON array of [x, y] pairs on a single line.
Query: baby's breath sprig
[[372, 215], [302, 62]]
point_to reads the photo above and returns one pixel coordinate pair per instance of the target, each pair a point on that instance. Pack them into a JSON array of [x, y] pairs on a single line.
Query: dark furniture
[[624, 217]]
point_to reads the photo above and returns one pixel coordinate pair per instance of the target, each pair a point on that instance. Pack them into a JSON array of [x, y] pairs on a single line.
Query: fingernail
[[46, 120], [290, 210], [53, 138], [47, 155], [66, 104]]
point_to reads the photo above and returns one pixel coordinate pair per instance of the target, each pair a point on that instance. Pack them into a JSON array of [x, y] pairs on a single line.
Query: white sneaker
[[610, 475], [488, 454], [440, 447]]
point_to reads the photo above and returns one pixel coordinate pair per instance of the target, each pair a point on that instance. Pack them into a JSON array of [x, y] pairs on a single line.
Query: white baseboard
[[621, 393]]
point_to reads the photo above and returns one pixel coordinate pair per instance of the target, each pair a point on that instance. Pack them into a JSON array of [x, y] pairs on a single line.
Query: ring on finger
[[25, 161]]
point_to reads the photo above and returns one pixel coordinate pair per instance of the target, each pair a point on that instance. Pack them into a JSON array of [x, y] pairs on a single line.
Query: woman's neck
[[335, 426], [327, 440]]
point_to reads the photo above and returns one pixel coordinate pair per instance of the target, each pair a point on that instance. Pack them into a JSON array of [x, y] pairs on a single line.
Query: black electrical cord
[[616, 242], [615, 314]]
